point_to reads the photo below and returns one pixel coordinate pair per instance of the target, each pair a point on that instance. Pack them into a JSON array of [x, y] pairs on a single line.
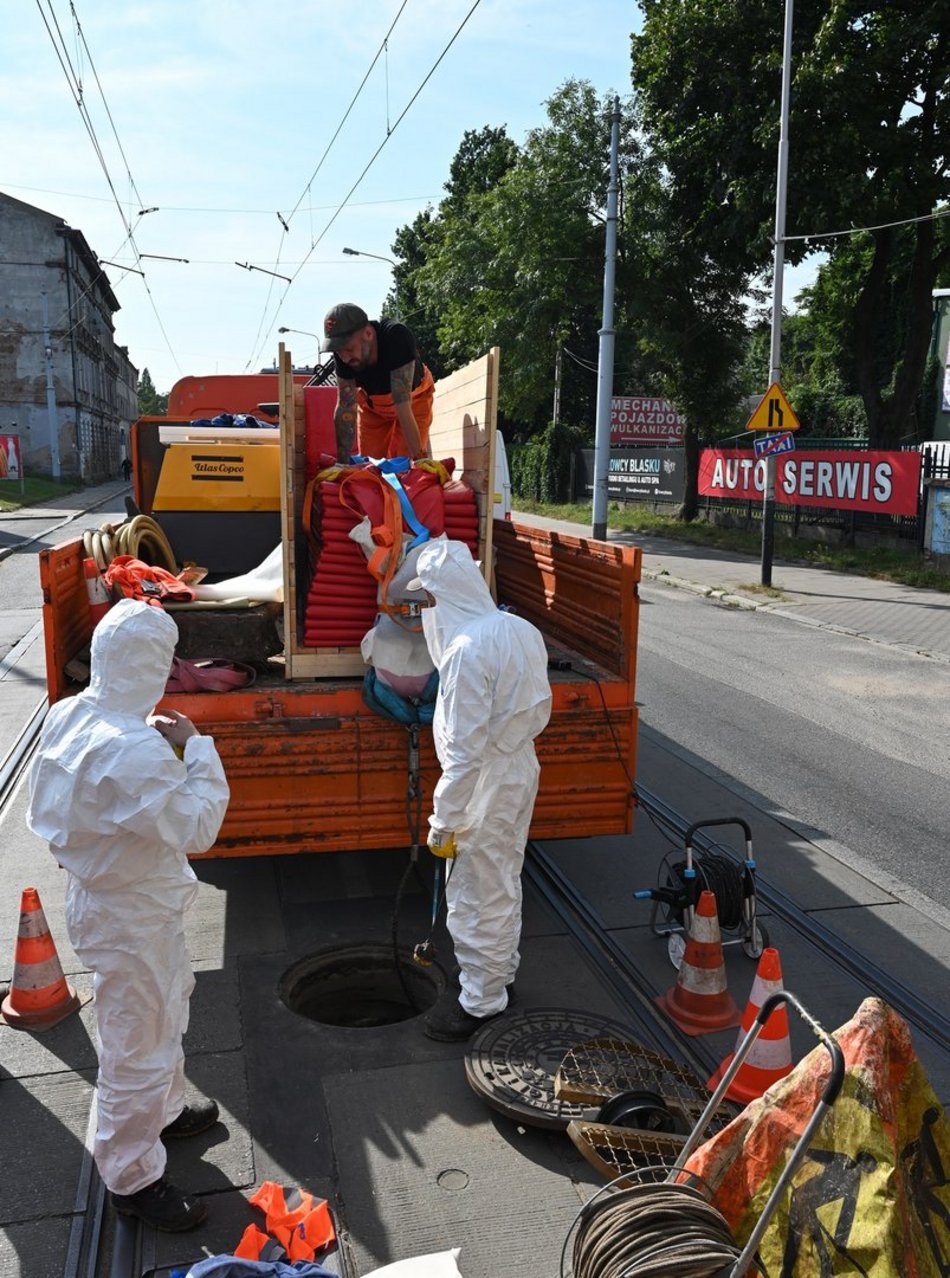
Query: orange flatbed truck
[[310, 765]]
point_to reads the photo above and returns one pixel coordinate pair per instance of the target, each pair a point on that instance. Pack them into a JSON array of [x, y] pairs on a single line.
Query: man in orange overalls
[[384, 391]]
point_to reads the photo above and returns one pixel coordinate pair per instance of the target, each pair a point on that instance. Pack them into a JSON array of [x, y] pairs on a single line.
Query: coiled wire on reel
[[653, 1228], [716, 873]]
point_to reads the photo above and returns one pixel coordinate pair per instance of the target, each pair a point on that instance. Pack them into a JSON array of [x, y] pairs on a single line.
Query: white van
[[502, 506]]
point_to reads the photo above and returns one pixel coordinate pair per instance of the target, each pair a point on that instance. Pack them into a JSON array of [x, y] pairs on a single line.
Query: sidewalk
[[905, 617], [20, 528]]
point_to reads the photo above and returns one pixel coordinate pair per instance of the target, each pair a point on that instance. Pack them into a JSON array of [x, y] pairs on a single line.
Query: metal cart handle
[[702, 825], [828, 1097]]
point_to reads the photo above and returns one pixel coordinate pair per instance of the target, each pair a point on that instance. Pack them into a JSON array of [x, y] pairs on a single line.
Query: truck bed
[[312, 768]]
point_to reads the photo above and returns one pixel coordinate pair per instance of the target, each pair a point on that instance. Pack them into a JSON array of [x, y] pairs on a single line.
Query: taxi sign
[[771, 445], [773, 412]]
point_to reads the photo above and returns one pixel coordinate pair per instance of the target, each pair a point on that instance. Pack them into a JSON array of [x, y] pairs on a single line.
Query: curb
[[707, 592], [775, 608], [7, 551]]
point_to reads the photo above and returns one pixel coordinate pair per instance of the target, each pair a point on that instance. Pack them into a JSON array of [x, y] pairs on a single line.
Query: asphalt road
[[850, 738], [21, 599]]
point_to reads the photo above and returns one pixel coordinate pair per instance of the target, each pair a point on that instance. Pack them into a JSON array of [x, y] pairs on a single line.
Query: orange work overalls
[[379, 432]]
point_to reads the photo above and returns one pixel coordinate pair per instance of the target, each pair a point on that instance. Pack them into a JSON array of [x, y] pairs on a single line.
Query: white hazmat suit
[[120, 810], [494, 699]]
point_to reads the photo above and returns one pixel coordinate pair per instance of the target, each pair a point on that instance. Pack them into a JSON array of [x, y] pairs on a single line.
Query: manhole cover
[[512, 1062], [360, 987]]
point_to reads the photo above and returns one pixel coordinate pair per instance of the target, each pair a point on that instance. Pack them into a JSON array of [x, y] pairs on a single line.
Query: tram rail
[[622, 976], [132, 1248]]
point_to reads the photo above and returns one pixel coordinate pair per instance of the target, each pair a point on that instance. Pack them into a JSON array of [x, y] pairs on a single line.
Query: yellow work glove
[[442, 843]]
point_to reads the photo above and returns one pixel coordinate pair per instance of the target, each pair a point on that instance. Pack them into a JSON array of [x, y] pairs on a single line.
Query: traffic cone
[[97, 591], [770, 1056], [40, 996], [700, 1001]]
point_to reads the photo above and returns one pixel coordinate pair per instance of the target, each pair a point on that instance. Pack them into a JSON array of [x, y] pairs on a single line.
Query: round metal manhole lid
[[511, 1064]]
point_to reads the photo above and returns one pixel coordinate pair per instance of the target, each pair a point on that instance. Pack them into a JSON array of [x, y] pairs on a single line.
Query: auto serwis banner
[[887, 483]]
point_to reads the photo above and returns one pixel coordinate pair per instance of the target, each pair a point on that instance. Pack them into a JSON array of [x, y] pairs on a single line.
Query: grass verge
[[35, 491], [907, 567]]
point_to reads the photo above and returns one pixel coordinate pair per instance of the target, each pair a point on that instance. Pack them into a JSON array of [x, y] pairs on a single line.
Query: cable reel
[[680, 883]]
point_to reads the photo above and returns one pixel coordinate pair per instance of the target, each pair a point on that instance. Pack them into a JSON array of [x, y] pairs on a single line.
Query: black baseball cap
[[341, 322]]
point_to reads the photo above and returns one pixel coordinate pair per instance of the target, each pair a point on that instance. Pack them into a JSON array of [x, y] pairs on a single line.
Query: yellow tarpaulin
[[871, 1195]]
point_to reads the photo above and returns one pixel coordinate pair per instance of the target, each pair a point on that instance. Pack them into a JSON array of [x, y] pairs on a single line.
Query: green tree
[[411, 247], [867, 147], [687, 309], [151, 403], [518, 258], [483, 158]]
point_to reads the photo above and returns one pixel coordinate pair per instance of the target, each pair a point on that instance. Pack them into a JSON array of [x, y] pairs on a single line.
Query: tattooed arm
[[344, 419], [401, 383]]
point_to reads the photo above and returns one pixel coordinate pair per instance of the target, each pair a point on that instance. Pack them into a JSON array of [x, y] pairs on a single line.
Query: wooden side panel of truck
[[312, 768]]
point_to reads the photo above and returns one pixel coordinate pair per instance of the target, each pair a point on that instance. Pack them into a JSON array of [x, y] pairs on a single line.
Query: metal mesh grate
[[592, 1072], [621, 1151]]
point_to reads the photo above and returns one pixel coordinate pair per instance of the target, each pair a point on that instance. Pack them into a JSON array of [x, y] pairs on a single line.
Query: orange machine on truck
[[310, 765]]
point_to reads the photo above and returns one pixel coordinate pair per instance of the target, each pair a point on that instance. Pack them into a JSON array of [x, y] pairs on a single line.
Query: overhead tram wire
[[372, 160], [115, 132], [263, 322], [75, 87], [193, 208], [398, 121], [346, 113]]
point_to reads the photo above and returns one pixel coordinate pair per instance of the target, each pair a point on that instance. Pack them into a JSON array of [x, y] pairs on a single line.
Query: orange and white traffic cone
[[770, 1056], [700, 1001], [40, 996]]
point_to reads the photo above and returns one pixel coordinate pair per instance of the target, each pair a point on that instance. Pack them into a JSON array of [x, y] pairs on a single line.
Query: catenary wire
[[343, 203], [75, 86], [346, 113]]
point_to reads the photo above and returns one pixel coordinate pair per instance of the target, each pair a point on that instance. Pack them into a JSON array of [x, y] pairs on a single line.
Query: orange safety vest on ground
[[379, 432], [300, 1222]]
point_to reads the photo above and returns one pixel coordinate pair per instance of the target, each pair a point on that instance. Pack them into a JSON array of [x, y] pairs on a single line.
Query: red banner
[[885, 482]]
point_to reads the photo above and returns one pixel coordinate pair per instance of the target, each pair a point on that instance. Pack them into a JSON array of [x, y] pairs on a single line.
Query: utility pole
[[778, 268], [50, 393], [556, 412], [605, 363]]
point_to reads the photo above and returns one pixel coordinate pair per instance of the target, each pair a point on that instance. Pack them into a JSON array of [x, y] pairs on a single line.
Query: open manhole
[[359, 986]]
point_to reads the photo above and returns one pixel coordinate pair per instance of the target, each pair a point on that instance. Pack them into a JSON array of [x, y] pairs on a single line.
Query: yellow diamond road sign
[[773, 412]]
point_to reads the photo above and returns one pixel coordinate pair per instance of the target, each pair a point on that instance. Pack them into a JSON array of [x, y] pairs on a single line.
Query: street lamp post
[[352, 252], [306, 333], [778, 269], [302, 331]]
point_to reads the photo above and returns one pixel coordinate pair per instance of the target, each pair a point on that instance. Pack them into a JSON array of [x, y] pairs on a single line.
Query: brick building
[[66, 388]]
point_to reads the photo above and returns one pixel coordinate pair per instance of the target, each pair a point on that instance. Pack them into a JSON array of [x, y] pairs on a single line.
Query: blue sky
[[224, 110]]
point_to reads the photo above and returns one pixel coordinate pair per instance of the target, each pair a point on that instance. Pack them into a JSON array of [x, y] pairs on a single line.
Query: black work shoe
[[450, 1023], [192, 1120], [162, 1206]]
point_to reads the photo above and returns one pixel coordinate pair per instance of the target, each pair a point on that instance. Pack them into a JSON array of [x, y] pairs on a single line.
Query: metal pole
[[50, 393], [605, 365], [556, 412], [778, 267]]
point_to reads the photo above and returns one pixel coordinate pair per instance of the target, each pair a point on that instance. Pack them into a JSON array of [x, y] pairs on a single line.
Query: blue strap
[[391, 468], [408, 514]]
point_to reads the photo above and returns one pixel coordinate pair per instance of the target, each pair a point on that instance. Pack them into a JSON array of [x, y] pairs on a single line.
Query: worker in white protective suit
[[120, 810], [494, 699]]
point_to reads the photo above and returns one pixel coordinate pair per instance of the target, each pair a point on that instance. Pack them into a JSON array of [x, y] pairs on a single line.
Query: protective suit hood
[[132, 650], [447, 570]]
